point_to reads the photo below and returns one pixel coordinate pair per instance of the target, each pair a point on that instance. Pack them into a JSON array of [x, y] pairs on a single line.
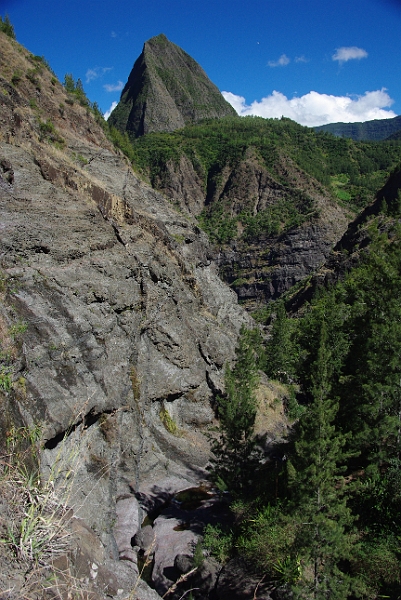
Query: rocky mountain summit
[[166, 90]]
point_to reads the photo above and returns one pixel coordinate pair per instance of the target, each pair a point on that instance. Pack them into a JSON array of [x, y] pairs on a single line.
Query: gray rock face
[[263, 268], [166, 90], [125, 330], [263, 271]]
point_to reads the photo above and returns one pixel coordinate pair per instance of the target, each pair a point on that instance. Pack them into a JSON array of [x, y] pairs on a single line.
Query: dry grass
[[271, 415], [34, 522]]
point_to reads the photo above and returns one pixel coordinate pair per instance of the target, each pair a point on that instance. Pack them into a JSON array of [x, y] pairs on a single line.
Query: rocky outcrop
[[166, 90], [381, 215], [260, 268], [124, 326]]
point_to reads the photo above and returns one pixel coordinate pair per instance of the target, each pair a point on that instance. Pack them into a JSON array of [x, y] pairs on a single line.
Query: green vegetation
[[17, 76], [6, 380], [48, 132], [168, 422], [76, 92], [6, 26], [36, 514], [323, 517], [235, 452], [376, 130], [352, 171], [75, 89]]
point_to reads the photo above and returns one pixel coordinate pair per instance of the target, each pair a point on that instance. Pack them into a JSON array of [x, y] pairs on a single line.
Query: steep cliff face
[[261, 267], [115, 327], [380, 215], [166, 90]]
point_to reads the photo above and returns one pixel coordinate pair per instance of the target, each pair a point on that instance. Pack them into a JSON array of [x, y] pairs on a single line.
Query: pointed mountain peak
[[166, 90], [159, 40]]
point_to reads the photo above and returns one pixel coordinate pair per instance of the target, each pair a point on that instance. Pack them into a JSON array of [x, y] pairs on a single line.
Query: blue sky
[[315, 61]]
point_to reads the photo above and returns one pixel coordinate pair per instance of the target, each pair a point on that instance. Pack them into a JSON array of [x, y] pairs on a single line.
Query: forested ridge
[[350, 171], [379, 129], [320, 515]]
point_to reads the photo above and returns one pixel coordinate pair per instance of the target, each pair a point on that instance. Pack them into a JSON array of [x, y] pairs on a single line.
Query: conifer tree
[[6, 27], [324, 540], [235, 455], [371, 391], [281, 350]]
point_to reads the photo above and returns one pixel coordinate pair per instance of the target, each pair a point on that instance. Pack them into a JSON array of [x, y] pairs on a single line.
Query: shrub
[[17, 76], [49, 132], [218, 542]]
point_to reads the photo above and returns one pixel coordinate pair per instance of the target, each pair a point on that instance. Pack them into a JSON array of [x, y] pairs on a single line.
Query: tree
[[69, 83], [6, 27], [281, 350], [235, 455], [371, 387], [324, 540], [76, 89]]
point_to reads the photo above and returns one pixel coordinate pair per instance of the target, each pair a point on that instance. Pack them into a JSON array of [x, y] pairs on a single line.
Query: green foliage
[[69, 83], [375, 567], [18, 329], [324, 538], [353, 171], [40, 62], [235, 453], [198, 555], [379, 129], [17, 76], [326, 522], [218, 542], [6, 381], [81, 160], [216, 222], [76, 91], [48, 132], [169, 422], [32, 76], [121, 141], [281, 350], [265, 539], [6, 26]]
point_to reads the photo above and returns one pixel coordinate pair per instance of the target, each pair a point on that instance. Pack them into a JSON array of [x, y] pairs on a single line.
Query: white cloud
[[301, 59], [281, 62], [108, 112], [114, 87], [314, 109], [92, 74], [346, 53]]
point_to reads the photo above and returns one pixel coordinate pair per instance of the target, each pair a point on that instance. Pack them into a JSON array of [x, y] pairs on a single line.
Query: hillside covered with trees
[[320, 513], [353, 172], [379, 129]]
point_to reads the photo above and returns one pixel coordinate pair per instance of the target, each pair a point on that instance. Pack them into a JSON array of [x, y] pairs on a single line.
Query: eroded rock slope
[[262, 267], [124, 324]]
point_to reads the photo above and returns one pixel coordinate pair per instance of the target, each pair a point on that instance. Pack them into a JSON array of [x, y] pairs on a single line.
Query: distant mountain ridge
[[376, 130], [166, 90]]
